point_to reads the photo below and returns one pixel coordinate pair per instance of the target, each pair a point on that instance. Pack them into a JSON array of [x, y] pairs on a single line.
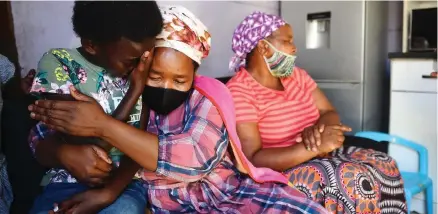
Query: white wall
[[40, 26]]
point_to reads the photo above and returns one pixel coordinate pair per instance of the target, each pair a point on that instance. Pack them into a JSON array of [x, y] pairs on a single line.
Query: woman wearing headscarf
[[190, 151], [285, 123]]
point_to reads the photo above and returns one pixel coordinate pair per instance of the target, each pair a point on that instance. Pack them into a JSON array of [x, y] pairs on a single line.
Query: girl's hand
[[140, 73]]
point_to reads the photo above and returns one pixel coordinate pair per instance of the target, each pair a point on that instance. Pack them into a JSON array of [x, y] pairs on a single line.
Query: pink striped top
[[281, 115]]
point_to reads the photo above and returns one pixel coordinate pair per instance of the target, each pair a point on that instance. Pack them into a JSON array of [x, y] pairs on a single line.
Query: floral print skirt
[[352, 180]]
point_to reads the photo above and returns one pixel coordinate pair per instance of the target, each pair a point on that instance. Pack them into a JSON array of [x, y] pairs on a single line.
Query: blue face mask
[[280, 64]]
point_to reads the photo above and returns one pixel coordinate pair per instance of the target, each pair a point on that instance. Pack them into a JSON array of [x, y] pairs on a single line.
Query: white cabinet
[[408, 75], [413, 115]]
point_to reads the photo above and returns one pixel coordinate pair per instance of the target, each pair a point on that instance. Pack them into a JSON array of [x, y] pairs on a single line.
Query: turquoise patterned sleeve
[[51, 76]]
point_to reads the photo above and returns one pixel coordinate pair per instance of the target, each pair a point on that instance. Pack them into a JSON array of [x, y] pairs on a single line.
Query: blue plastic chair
[[414, 182]]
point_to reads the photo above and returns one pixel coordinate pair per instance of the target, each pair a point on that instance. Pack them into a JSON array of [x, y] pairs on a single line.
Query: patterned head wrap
[[184, 32], [251, 30]]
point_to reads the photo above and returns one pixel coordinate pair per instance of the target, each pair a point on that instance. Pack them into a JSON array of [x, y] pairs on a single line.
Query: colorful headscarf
[[184, 32], [251, 30]]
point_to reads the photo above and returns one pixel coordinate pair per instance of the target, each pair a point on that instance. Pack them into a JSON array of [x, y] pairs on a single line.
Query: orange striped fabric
[[280, 115]]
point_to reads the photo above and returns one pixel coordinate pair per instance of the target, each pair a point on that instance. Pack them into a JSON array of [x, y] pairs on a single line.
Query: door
[[342, 60]]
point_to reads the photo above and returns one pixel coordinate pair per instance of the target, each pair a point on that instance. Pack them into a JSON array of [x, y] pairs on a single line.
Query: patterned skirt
[[352, 180]]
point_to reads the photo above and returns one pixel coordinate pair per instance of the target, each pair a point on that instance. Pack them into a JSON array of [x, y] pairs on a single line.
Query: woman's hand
[[311, 136], [88, 202], [84, 117], [88, 163], [332, 138]]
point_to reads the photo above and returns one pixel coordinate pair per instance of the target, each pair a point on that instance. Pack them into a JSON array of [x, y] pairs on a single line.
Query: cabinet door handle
[[429, 77], [433, 75]]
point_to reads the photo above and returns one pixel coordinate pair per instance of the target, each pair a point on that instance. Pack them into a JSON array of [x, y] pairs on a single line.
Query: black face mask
[[163, 100]]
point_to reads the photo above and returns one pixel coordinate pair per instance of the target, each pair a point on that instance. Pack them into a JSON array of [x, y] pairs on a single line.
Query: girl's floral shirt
[[60, 68]]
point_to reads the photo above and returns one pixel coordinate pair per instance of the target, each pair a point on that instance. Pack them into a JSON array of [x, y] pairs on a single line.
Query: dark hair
[[248, 58], [195, 65], [109, 21]]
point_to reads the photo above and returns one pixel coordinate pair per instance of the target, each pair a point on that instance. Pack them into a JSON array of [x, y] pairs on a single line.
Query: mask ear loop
[[265, 58], [275, 49], [269, 45]]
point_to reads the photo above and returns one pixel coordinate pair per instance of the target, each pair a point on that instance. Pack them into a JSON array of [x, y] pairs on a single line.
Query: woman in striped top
[[286, 123]]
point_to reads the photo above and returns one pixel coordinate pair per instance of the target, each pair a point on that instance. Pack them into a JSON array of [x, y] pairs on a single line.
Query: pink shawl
[[221, 98]]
